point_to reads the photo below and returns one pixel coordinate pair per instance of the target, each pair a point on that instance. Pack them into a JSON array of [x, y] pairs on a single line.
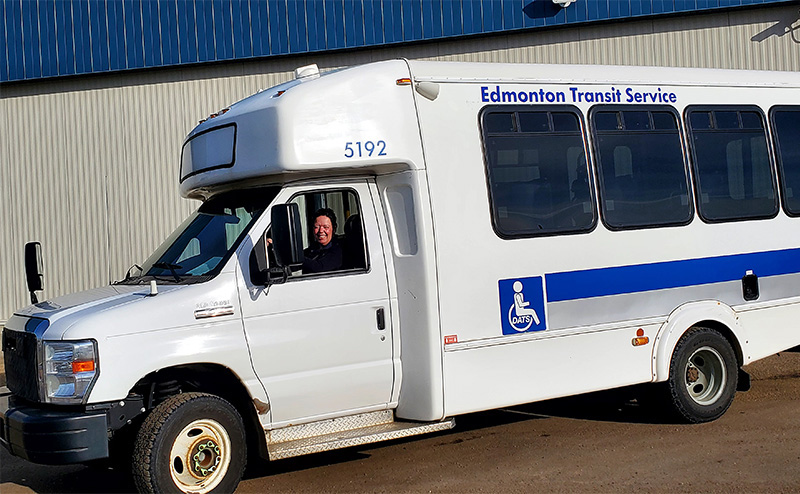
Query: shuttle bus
[[380, 249]]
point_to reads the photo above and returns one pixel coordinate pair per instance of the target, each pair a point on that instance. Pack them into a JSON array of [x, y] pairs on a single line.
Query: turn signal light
[[406, 81], [642, 340], [86, 366]]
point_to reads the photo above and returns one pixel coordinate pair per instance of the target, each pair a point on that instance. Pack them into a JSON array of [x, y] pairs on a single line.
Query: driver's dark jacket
[[320, 259]]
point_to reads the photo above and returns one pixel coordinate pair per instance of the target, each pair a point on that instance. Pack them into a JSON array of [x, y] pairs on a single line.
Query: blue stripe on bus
[[575, 285]]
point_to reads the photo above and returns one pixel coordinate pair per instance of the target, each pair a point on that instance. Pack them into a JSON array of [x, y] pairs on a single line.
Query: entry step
[[345, 432]]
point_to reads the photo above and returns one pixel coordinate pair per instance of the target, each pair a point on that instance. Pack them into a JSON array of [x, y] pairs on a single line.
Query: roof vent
[[306, 71]]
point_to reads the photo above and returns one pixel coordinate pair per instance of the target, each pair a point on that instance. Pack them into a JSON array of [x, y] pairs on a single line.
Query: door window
[[334, 232]]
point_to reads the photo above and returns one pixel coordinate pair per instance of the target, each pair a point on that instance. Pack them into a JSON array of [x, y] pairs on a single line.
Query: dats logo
[[522, 305]]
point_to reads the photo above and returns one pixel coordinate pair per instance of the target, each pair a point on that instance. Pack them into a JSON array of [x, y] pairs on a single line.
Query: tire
[[191, 443], [702, 376]]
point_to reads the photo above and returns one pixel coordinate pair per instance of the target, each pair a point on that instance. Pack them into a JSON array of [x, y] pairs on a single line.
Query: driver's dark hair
[[326, 212]]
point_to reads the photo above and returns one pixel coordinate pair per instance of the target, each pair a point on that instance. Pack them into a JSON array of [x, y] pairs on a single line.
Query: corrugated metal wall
[[45, 38], [89, 164]]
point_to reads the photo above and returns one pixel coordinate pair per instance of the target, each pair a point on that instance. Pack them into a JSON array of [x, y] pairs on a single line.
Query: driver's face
[[323, 230]]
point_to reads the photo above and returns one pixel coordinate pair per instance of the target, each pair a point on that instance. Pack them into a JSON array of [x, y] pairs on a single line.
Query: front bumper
[[54, 437]]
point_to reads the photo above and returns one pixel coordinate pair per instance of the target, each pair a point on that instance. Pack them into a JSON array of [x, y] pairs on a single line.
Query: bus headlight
[[69, 369]]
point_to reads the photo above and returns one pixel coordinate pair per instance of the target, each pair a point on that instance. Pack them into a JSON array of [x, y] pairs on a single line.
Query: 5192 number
[[360, 149]]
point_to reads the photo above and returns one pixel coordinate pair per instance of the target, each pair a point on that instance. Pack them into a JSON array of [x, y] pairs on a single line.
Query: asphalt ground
[[601, 442]]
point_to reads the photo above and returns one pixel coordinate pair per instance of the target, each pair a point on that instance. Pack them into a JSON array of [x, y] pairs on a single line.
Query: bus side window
[[641, 167], [536, 170], [733, 173], [786, 126]]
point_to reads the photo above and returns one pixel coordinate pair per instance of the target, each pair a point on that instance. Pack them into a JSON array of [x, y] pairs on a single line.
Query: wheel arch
[[706, 314], [210, 378]]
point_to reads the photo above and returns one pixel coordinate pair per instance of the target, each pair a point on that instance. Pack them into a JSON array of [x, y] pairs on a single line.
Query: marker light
[[215, 115], [640, 339], [405, 81]]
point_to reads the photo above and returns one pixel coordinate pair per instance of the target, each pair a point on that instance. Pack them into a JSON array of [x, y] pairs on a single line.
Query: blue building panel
[[65, 39], [186, 33], [259, 15], [47, 38], [168, 17], [392, 31], [115, 20], [3, 44], [434, 7], [336, 13], [204, 34], [47, 30], [99, 36], [30, 35], [223, 39], [13, 23], [357, 16], [315, 15], [134, 44], [278, 27], [242, 34], [492, 15], [370, 31], [416, 20], [449, 24], [298, 27], [83, 37], [151, 37]]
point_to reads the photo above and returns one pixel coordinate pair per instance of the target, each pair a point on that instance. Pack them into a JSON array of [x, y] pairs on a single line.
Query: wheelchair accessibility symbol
[[522, 303]]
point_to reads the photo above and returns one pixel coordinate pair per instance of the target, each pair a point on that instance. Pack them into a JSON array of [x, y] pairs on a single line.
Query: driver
[[325, 253]]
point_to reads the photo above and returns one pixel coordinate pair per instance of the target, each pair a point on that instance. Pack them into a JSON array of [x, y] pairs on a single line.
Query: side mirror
[[33, 269], [287, 235]]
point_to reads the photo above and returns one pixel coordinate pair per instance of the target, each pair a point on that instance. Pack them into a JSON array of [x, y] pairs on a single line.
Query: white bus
[[476, 236]]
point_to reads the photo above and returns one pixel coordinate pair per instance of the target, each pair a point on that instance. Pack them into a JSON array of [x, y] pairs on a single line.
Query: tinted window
[[733, 174], [538, 175], [786, 124], [643, 180]]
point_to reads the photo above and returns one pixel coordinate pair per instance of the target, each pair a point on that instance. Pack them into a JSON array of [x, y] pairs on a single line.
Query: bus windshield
[[197, 250]]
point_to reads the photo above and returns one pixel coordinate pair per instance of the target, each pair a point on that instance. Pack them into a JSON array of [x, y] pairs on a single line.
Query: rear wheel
[[702, 375], [192, 443]]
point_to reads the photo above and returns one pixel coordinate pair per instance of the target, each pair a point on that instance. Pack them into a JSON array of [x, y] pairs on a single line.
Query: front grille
[[19, 358]]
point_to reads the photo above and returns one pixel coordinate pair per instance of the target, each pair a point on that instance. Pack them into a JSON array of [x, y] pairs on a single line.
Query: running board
[[344, 432]]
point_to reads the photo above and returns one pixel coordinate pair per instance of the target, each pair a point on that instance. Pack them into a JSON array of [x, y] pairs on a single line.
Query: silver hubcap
[[200, 456], [705, 375]]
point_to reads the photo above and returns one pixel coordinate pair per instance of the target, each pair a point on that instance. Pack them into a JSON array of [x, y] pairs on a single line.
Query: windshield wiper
[[171, 267]]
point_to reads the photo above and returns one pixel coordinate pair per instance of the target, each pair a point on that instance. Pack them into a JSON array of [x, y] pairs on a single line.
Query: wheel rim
[[705, 375], [200, 456]]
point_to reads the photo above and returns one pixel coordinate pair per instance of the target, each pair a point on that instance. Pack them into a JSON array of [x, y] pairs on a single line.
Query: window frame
[[183, 177], [582, 129], [694, 165], [596, 161], [339, 272], [778, 157]]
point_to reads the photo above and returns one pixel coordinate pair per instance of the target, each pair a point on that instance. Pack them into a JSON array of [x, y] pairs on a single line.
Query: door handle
[[381, 319]]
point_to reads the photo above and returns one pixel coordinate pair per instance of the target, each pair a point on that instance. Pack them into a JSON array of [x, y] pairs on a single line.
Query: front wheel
[[702, 376], [190, 443]]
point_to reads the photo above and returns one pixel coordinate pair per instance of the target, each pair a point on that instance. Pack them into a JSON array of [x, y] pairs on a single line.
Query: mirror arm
[[277, 275]]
